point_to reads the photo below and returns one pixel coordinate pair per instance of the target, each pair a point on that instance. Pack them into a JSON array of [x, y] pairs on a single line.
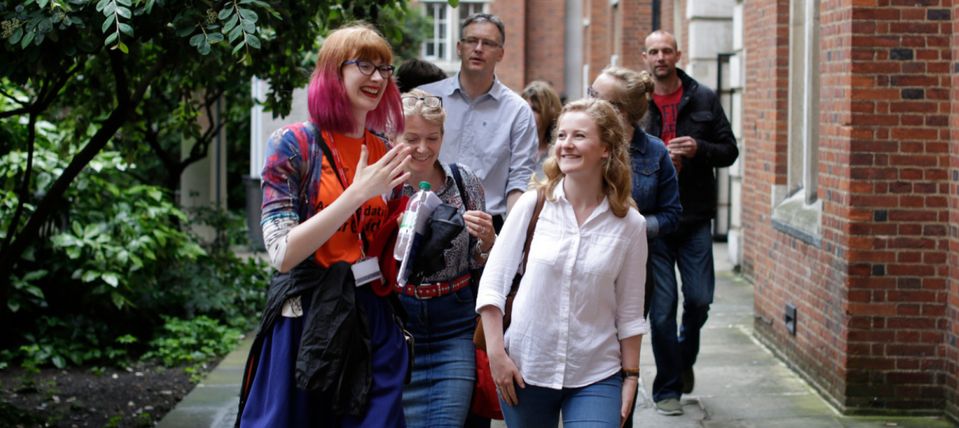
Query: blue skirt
[[444, 369], [275, 401]]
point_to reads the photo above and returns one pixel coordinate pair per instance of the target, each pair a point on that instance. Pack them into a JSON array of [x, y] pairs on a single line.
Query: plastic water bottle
[[418, 210]]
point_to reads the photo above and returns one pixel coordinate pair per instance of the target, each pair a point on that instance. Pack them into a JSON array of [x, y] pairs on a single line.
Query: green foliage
[[221, 286], [119, 237], [113, 10], [113, 247], [229, 227], [192, 342], [121, 262], [59, 342], [12, 416]]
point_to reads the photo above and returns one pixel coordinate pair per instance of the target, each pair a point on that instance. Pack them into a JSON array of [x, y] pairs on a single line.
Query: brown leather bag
[[479, 337]]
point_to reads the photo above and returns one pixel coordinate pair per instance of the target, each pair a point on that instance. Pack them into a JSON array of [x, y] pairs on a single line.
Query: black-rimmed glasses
[[430, 101], [366, 67]]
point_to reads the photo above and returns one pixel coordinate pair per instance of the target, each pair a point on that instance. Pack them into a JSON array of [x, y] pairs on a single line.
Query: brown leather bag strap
[[540, 201]]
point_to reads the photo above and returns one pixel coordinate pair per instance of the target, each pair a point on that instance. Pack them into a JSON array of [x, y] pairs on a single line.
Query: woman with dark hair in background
[[416, 72]]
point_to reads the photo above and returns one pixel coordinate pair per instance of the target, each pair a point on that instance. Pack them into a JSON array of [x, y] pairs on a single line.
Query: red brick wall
[[684, 44], [783, 268], [952, 312], [546, 30], [666, 16], [635, 21], [545, 42], [637, 18], [598, 37], [512, 70], [898, 209], [872, 296]]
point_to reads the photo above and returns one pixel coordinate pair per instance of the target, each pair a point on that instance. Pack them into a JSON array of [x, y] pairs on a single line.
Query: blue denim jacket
[[655, 187]]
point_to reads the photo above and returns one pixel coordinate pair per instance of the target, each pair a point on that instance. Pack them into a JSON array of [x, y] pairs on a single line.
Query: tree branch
[[45, 96], [14, 99], [10, 255], [24, 193], [14, 112]]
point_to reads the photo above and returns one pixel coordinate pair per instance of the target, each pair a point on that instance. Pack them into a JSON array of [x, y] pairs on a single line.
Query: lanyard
[[344, 183]]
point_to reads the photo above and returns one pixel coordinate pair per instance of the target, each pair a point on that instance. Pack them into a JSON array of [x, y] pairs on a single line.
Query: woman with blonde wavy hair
[[577, 318]]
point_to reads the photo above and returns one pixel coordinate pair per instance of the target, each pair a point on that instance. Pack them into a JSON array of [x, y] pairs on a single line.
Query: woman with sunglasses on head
[[330, 352], [655, 185], [577, 318], [440, 304]]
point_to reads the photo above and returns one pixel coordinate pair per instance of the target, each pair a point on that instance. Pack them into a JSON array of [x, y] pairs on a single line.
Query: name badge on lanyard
[[366, 271]]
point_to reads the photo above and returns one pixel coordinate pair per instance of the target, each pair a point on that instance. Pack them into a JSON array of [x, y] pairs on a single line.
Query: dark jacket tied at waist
[[335, 354]]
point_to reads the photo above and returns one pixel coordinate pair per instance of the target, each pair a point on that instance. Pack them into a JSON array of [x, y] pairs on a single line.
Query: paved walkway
[[739, 383]]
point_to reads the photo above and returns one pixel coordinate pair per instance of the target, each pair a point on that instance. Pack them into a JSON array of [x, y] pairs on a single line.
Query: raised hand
[[383, 175]]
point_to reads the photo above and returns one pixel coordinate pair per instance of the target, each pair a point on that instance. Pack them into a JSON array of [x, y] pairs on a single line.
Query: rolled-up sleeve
[[280, 184], [506, 255], [630, 284]]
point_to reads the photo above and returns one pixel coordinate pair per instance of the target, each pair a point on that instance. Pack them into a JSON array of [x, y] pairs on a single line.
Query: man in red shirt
[[690, 119]]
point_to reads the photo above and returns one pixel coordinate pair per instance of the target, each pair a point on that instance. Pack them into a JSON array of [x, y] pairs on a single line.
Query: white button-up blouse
[[582, 292]]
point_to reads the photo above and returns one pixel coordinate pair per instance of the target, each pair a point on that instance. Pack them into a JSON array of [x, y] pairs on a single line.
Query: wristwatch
[[479, 249], [630, 373]]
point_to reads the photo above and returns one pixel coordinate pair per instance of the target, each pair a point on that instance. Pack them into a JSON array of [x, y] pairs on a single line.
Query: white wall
[[203, 183], [715, 27]]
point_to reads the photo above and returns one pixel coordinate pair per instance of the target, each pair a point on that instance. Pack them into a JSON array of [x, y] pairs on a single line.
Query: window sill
[[794, 217]]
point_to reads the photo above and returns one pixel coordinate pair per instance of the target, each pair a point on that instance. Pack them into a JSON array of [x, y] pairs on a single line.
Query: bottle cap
[[425, 185]]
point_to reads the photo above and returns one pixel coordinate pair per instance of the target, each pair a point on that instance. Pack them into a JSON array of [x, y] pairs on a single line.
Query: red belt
[[436, 289]]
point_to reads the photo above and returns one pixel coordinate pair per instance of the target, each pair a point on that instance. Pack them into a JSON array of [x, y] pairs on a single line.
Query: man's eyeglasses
[[471, 42], [367, 68], [431, 101]]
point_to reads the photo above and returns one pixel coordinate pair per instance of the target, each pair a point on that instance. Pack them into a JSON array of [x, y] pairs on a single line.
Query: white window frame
[[450, 34], [798, 209]]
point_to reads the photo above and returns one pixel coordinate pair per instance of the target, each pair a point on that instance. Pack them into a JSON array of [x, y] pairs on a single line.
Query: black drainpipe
[[656, 12]]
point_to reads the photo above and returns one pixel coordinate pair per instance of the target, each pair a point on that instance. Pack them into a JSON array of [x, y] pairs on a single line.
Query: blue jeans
[[444, 363], [595, 405], [691, 249]]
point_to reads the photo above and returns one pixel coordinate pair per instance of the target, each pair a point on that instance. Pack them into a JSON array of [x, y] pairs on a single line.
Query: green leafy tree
[[136, 74]]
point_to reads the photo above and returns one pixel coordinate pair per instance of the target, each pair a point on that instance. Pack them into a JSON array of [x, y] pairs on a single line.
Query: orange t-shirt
[[345, 244]]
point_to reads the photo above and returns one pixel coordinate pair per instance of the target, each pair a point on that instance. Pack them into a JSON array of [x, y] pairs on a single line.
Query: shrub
[[119, 266], [192, 342]]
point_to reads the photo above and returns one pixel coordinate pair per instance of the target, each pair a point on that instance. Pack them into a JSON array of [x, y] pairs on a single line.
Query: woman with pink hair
[[330, 351]]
